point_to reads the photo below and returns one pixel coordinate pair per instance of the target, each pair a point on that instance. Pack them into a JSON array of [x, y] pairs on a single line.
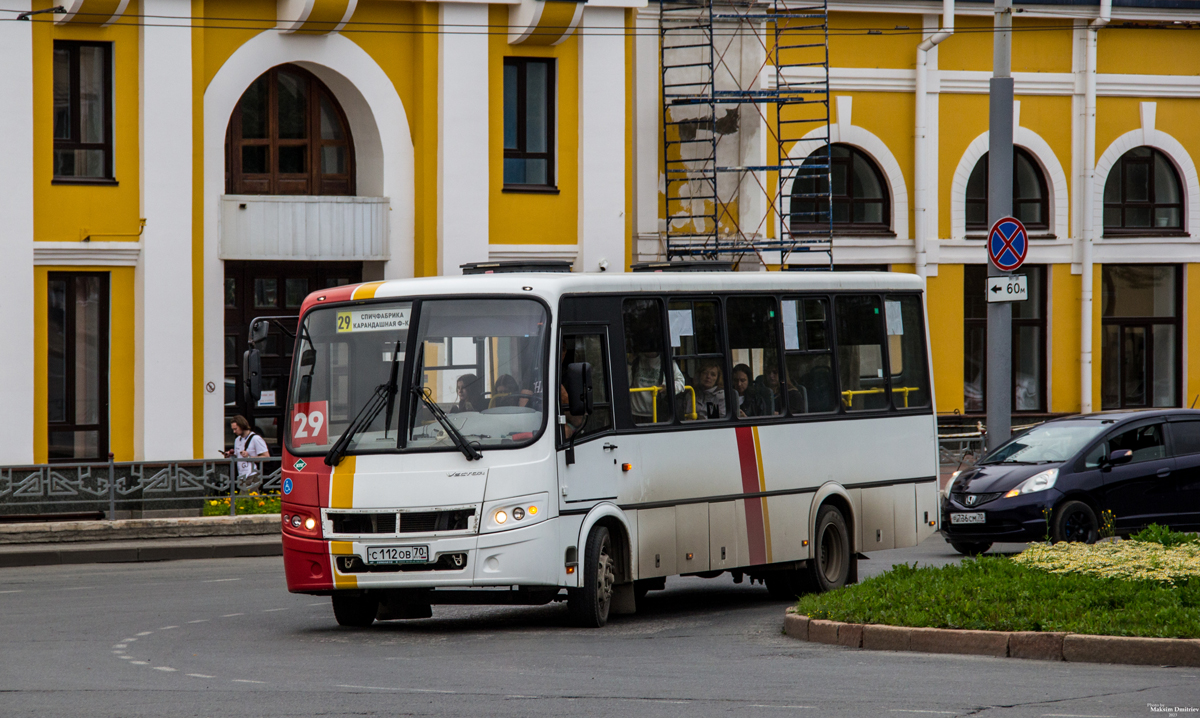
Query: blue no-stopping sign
[[1008, 244]]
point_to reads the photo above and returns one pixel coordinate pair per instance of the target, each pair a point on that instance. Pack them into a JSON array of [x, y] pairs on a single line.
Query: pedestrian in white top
[[245, 444]]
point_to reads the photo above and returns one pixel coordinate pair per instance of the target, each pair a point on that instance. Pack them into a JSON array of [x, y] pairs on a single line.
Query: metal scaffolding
[[732, 72]]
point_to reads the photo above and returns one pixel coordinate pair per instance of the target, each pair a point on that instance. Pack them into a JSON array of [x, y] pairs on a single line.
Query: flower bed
[[252, 504], [1126, 560]]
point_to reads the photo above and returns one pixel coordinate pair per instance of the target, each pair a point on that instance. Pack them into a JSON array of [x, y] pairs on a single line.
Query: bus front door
[[595, 472]]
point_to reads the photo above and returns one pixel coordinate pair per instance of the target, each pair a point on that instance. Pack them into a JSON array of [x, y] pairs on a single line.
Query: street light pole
[[1000, 186]]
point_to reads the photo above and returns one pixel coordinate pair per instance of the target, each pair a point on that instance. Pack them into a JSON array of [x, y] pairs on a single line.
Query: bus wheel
[[830, 565], [589, 604], [355, 611]]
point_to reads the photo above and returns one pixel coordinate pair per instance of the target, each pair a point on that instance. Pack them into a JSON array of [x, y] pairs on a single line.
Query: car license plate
[[978, 517], [397, 554]]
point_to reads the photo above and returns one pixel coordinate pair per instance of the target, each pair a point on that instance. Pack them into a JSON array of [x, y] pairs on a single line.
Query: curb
[[139, 551], [139, 529], [1073, 647]]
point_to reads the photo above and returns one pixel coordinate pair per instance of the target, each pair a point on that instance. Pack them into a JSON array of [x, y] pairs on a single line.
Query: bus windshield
[[481, 360]]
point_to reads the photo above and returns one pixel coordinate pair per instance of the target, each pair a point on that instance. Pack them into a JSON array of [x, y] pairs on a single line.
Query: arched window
[[1143, 195], [1031, 200], [288, 135], [861, 204]]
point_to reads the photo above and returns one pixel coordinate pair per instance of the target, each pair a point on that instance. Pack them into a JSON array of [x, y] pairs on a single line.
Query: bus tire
[[830, 565], [589, 604], [355, 611]]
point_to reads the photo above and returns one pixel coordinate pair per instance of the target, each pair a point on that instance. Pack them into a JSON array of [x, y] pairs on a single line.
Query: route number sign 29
[[309, 425]]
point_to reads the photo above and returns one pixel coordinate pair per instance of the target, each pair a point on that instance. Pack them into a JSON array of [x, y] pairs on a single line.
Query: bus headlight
[[514, 513]]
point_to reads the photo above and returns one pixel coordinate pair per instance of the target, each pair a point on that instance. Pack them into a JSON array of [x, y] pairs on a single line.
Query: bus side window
[[587, 348], [645, 359], [860, 352], [696, 347], [754, 349], [906, 352], [809, 357]]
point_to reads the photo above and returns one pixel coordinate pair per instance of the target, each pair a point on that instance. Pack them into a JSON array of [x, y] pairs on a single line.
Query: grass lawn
[[999, 594]]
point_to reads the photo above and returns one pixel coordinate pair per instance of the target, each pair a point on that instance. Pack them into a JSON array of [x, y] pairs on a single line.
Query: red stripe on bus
[[748, 458]]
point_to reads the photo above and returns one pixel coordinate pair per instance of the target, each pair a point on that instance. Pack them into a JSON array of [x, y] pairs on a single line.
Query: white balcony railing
[[285, 227]]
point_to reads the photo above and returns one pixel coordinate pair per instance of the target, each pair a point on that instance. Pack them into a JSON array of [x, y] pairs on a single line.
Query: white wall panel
[[602, 181], [297, 228]]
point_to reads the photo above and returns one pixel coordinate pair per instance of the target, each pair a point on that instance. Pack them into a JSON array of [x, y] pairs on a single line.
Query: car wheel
[[1075, 521], [830, 564], [355, 611], [589, 604], [970, 548]]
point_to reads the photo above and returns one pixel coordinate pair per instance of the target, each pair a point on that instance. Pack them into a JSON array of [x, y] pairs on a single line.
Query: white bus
[[526, 438]]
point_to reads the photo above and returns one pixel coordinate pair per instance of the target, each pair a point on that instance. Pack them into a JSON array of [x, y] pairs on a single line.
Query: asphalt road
[[224, 638]]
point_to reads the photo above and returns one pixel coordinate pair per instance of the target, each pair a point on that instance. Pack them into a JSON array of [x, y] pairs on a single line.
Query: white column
[[648, 137], [16, 237], [462, 136], [164, 371], [602, 181]]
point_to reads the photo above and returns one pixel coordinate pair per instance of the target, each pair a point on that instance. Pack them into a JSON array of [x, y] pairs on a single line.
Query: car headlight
[[514, 513], [1035, 483], [950, 484]]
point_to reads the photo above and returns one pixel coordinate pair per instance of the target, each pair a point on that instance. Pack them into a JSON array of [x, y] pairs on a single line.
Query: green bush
[[995, 593], [1155, 533], [252, 504]]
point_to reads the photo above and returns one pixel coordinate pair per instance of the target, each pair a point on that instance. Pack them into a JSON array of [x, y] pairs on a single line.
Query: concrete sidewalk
[[131, 540]]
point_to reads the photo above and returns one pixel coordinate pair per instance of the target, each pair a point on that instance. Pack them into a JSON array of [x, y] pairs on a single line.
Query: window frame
[[723, 355], [109, 178], [1148, 323], [103, 427], [575, 329], [980, 231], [831, 350], [1040, 323], [551, 185], [1117, 173], [849, 228], [340, 184]]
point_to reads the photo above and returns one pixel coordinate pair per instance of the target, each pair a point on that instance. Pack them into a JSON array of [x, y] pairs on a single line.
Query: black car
[[1056, 480]]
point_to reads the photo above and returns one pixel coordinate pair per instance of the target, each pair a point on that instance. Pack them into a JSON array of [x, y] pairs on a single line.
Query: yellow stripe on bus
[[366, 291], [341, 484], [342, 548], [762, 486]]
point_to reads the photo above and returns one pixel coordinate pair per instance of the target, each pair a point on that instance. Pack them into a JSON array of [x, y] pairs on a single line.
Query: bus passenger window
[[696, 347], [809, 361], [586, 348], [753, 344], [860, 353], [649, 395], [906, 352]]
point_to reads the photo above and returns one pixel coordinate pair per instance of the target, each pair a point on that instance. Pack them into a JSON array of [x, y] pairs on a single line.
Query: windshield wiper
[[384, 397], [456, 436]]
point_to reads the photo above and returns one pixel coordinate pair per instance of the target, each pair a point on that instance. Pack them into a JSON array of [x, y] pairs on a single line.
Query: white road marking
[[120, 645], [764, 705], [271, 610], [199, 620], [199, 675], [319, 603], [126, 658], [220, 580], [78, 588], [165, 668], [118, 652], [385, 688], [128, 640], [144, 633], [165, 628], [231, 615], [17, 591], [140, 663], [246, 680]]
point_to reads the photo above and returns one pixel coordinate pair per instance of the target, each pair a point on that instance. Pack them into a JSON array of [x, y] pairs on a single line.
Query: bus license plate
[[975, 518], [398, 554]]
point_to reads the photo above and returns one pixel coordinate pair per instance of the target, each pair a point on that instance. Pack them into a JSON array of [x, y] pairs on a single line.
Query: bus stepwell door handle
[[1163, 473], [609, 447]]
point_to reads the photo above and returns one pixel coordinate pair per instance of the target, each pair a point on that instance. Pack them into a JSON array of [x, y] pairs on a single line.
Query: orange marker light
[[570, 570], [532, 510], [626, 467]]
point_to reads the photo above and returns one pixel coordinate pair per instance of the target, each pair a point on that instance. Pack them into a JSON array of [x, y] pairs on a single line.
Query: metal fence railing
[[133, 485]]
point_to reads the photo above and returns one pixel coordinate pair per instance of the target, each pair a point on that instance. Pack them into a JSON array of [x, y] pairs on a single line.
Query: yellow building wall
[[68, 212], [1062, 338], [1039, 45], [511, 212], [1123, 50], [121, 392], [893, 49], [945, 309]]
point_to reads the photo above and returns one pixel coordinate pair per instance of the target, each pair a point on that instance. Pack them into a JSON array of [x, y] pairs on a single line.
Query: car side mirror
[[1120, 456], [579, 388]]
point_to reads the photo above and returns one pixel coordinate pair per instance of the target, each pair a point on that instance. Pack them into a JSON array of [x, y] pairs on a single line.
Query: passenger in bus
[[768, 381], [645, 370], [507, 392], [710, 393], [752, 400], [470, 395]]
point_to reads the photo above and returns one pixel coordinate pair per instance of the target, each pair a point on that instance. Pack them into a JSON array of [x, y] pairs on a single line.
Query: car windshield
[[1054, 441], [481, 360]]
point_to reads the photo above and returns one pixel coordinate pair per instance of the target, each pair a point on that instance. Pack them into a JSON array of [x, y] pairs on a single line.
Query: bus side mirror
[[1120, 456], [579, 388], [258, 330], [308, 357], [252, 376]]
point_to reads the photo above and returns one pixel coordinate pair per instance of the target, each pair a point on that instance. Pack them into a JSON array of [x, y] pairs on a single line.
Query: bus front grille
[[363, 523], [416, 522]]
